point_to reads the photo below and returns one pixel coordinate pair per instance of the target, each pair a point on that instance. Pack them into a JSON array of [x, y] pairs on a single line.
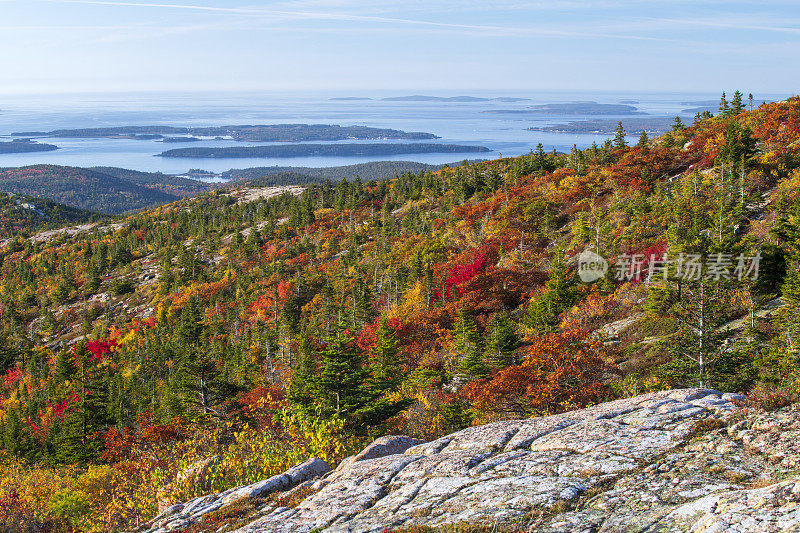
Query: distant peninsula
[[464, 99], [310, 150], [180, 139], [243, 133], [25, 146], [574, 108], [608, 127]]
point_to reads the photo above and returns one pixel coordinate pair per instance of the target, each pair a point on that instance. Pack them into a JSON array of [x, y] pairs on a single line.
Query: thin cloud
[[310, 15], [731, 25]]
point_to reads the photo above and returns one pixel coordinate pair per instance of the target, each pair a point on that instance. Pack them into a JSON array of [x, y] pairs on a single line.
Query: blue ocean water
[[470, 123]]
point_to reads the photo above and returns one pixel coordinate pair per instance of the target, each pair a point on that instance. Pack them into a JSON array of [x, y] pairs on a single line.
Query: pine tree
[[724, 108], [345, 388], [643, 140], [191, 321], [385, 354], [302, 391], [85, 416], [678, 125], [502, 342], [469, 347], [341, 381], [559, 295], [737, 104], [619, 137]]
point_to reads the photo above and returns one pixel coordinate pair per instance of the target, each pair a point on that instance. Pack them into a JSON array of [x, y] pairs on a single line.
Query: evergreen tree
[[502, 341], [724, 107], [302, 391], [737, 104], [385, 355], [619, 137], [86, 412], [469, 347], [346, 389], [191, 321], [643, 140], [559, 294]]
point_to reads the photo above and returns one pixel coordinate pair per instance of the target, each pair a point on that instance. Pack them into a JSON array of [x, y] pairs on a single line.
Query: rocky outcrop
[[181, 516], [685, 460]]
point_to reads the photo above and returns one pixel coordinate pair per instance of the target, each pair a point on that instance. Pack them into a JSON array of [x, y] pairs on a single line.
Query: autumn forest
[[266, 329]]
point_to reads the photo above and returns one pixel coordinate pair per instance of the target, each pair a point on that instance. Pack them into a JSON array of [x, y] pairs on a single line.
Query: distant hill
[[306, 150], [172, 185], [82, 188], [29, 214], [376, 170]]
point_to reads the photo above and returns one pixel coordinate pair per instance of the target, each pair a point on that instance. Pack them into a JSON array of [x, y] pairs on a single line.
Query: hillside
[[372, 171], [82, 188], [27, 215], [172, 185], [269, 328]]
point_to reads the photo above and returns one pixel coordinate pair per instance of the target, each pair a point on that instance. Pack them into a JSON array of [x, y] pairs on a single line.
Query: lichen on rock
[[684, 460]]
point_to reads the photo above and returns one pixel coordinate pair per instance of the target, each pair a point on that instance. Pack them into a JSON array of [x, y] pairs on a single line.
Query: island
[[22, 146], [650, 125], [316, 150], [574, 108], [467, 99], [180, 139], [242, 133]]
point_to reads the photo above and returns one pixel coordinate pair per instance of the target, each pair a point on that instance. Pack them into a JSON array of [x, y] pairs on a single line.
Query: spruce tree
[[469, 346], [619, 137], [724, 108], [643, 140], [346, 389], [385, 354], [559, 294], [341, 381], [502, 341], [737, 103]]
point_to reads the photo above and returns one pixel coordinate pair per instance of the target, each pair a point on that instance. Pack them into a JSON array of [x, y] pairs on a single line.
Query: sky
[[49, 46]]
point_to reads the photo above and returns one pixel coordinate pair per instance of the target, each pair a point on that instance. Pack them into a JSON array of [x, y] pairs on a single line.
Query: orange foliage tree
[[561, 371]]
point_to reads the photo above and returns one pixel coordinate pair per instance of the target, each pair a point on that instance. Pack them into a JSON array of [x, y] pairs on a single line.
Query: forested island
[[244, 133], [462, 99], [25, 146], [574, 108], [180, 139], [305, 150], [609, 126]]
